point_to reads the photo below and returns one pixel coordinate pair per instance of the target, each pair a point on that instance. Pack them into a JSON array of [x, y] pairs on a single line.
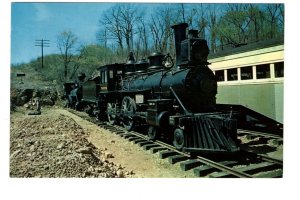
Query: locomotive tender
[[177, 103]]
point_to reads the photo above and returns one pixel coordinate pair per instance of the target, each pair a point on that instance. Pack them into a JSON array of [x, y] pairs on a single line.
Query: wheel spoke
[[128, 110], [111, 112]]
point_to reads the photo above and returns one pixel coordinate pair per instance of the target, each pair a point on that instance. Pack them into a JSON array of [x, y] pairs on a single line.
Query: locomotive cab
[[111, 77]]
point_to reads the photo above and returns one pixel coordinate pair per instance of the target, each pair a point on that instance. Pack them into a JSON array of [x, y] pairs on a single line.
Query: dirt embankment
[[58, 143], [55, 146]]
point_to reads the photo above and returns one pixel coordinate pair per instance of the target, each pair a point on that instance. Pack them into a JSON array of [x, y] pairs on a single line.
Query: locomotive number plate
[[139, 98]]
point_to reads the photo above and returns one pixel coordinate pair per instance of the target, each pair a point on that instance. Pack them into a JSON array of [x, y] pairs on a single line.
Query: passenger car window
[[279, 69], [246, 73], [263, 71], [232, 74]]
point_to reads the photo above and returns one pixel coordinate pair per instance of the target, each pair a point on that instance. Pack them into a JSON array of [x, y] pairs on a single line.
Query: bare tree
[[202, 22], [128, 23], [142, 43], [66, 42], [273, 11], [111, 27], [212, 25], [120, 24], [160, 27]]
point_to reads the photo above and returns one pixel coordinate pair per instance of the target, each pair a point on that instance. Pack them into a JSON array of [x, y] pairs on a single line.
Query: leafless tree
[[160, 27], [274, 12], [202, 21], [120, 24], [128, 23], [66, 42], [110, 27], [142, 43]]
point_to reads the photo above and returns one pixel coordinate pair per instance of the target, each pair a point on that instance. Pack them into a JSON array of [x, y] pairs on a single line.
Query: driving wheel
[[128, 110], [111, 112]]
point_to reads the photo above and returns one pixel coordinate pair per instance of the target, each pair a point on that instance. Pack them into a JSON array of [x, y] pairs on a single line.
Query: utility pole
[[42, 43]]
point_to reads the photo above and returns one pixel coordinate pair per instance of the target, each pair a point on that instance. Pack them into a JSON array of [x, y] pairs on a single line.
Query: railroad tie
[[150, 146], [166, 154], [206, 169], [177, 158], [189, 164], [133, 138], [138, 141], [156, 149], [143, 143]]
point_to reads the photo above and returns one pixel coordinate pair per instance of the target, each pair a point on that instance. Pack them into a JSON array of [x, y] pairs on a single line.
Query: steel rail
[[259, 133], [224, 168], [269, 159], [203, 160], [200, 158]]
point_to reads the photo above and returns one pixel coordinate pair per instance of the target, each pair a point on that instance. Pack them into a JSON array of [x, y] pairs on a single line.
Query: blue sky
[[34, 21]]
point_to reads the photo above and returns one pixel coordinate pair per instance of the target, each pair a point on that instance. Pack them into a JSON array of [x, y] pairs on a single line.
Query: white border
[[163, 188]]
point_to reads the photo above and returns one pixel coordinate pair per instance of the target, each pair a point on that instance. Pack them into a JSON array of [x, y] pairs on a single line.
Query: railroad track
[[250, 165], [244, 165], [242, 132]]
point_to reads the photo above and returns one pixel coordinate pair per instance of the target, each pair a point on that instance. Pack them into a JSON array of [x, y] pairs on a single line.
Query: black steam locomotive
[[177, 103]]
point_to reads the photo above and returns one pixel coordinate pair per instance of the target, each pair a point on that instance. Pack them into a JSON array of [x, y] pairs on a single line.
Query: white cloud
[[42, 12]]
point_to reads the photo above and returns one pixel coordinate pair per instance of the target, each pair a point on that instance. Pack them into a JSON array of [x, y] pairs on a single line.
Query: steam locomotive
[[174, 102]]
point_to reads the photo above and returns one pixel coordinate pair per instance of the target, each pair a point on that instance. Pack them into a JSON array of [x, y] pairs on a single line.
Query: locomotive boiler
[[174, 102]]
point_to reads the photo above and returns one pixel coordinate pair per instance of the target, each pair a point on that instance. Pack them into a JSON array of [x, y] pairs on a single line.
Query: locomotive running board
[[251, 120]]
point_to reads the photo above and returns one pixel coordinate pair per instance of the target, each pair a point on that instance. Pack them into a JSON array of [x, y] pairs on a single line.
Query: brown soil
[[58, 143]]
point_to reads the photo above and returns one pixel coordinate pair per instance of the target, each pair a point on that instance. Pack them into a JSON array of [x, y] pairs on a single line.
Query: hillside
[[34, 81]]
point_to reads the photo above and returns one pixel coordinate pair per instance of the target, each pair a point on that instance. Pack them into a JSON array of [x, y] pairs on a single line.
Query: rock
[[15, 153], [26, 105], [108, 155], [39, 149], [84, 150], [31, 148], [37, 143], [47, 101], [60, 146], [90, 169], [120, 173], [98, 169]]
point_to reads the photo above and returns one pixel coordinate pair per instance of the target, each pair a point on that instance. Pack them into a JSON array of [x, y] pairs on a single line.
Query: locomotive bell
[[129, 66]]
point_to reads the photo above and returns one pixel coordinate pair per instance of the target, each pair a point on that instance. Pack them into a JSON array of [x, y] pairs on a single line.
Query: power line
[[42, 43]]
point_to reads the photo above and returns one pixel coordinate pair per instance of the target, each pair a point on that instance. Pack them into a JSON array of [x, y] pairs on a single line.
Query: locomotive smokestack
[[180, 35]]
